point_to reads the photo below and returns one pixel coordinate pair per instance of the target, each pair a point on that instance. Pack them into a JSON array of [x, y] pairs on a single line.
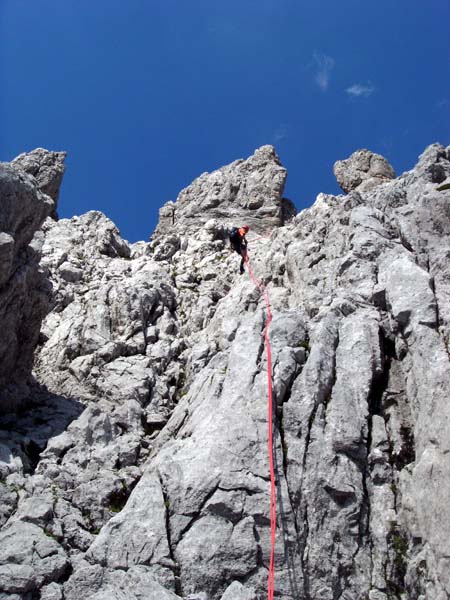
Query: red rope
[[273, 493], [260, 237]]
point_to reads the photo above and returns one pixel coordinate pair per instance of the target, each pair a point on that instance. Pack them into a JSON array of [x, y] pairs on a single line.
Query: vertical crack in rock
[[143, 324], [380, 381], [290, 545], [283, 444], [195, 516], [321, 391], [305, 569], [262, 346], [398, 545], [174, 565], [377, 472], [311, 419]]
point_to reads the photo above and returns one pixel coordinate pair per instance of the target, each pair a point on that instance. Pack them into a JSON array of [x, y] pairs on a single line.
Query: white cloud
[[324, 65], [281, 133], [360, 90]]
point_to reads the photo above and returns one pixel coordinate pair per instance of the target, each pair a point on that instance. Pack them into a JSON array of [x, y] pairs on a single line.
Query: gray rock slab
[[29, 558], [237, 591]]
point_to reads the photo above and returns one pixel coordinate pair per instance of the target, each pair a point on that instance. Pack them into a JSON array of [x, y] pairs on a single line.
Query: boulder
[[363, 171]]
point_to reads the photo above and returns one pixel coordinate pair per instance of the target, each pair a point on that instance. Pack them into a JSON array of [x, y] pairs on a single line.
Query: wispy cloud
[[281, 133], [324, 65], [360, 90]]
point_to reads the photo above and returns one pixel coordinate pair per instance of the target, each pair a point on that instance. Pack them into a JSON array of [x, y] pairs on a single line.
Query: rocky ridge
[[140, 468]]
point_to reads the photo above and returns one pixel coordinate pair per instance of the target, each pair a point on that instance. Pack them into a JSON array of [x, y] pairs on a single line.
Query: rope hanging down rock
[[273, 496]]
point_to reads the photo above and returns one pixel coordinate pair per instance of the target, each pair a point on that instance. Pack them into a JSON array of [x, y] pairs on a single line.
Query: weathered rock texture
[[141, 470], [246, 190], [25, 201], [48, 170], [363, 170]]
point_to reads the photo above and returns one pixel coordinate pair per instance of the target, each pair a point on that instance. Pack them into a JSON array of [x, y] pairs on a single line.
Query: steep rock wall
[[159, 488], [24, 290]]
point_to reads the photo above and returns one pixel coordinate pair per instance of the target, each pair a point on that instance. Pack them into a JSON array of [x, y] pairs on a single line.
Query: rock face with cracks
[[139, 469], [246, 191], [25, 202], [363, 170], [48, 170]]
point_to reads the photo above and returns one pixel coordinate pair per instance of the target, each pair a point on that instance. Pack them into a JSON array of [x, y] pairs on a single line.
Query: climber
[[238, 243]]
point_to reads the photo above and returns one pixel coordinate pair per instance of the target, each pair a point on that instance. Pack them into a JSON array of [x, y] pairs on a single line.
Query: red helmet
[[246, 227]]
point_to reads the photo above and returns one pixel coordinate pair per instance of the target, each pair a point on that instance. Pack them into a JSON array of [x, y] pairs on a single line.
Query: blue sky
[[145, 95]]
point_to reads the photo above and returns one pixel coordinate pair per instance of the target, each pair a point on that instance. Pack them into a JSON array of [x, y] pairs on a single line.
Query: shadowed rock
[[24, 290]]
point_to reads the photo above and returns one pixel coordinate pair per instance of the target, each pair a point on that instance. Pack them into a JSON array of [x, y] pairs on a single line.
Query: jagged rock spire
[[245, 191]]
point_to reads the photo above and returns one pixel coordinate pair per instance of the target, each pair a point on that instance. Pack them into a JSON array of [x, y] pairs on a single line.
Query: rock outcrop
[[246, 190], [24, 291], [141, 470], [48, 170], [363, 170]]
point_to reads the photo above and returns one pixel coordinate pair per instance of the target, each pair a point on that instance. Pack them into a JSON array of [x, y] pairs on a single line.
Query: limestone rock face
[[24, 291], [47, 168], [143, 460], [247, 191], [363, 170]]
